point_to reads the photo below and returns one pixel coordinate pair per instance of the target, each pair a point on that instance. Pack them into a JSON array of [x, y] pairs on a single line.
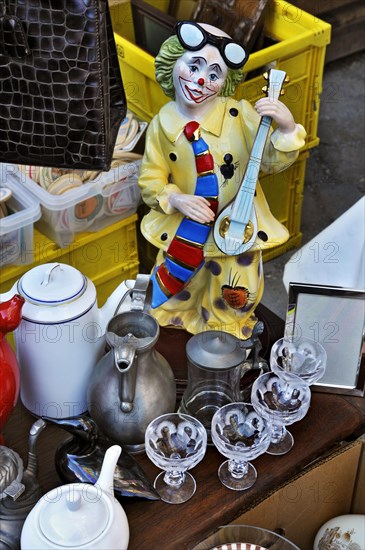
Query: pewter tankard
[[217, 361]]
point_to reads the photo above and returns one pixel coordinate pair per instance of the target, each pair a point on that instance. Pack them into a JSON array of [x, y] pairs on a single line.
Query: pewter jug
[[132, 384], [19, 489]]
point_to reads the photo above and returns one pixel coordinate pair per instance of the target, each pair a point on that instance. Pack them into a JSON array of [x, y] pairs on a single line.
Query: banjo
[[235, 228]]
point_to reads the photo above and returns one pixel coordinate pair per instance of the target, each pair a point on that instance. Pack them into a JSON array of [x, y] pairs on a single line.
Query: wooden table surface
[[159, 526]]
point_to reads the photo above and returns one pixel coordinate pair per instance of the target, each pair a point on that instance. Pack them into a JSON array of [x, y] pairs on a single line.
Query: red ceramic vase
[[10, 317]]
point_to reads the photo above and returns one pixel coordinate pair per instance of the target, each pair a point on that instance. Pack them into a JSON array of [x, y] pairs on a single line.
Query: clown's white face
[[198, 78]]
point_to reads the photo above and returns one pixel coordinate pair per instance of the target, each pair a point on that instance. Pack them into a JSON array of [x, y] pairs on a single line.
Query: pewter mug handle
[[254, 343], [254, 361], [124, 360]]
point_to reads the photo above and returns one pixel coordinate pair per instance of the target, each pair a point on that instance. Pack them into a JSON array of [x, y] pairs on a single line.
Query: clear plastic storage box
[[108, 198], [16, 227]]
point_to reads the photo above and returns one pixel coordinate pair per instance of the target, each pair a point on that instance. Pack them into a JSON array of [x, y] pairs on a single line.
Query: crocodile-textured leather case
[[61, 91]]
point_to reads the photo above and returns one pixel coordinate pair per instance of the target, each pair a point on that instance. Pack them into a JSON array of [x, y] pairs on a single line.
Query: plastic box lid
[[27, 206]]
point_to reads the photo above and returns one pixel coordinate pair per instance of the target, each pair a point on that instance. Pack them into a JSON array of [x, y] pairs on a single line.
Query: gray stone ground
[[335, 171]]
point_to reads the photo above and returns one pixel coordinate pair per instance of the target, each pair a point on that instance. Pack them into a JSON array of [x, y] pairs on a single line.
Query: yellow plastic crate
[[103, 256], [286, 190], [109, 280], [300, 41], [114, 247]]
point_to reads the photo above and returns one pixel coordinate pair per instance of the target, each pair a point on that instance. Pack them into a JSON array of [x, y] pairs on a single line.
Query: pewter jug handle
[[124, 360], [140, 294]]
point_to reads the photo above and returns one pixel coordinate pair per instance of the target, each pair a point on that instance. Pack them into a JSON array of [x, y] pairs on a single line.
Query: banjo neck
[[242, 204], [235, 228]]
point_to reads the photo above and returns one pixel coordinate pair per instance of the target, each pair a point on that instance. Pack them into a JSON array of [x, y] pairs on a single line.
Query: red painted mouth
[[195, 94]]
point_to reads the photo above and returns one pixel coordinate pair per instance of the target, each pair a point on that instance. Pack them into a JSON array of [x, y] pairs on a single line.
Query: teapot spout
[[129, 295], [106, 477]]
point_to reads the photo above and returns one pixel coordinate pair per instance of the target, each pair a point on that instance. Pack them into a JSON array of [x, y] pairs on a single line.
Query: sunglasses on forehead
[[193, 37]]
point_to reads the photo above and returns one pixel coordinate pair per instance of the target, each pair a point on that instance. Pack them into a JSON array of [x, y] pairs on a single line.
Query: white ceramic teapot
[[61, 336], [79, 515]]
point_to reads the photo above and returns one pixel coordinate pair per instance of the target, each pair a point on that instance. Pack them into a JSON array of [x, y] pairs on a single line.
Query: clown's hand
[[278, 112], [194, 207]]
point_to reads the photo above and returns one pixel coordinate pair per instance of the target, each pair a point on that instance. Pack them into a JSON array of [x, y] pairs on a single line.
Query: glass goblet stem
[[174, 478], [175, 487], [237, 475], [278, 432], [237, 468], [281, 440]]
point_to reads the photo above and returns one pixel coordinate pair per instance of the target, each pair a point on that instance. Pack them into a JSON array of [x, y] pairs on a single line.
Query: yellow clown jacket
[[168, 165]]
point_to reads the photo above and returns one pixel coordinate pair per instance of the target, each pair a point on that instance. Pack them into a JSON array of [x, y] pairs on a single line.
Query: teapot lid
[[52, 284], [11, 474], [215, 350], [74, 515]]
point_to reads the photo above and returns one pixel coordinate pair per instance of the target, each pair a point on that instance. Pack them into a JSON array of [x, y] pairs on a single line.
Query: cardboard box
[[330, 487]]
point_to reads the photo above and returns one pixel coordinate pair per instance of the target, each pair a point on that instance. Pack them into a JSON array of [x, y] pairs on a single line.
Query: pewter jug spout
[[124, 356]]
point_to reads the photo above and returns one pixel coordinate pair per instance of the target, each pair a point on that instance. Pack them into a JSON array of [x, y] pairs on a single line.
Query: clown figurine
[[197, 149]]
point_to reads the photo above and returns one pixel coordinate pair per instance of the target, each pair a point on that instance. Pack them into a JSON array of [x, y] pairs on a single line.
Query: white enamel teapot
[[79, 515], [62, 335]]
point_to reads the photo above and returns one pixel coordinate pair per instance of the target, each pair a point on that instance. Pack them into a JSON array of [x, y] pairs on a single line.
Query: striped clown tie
[[185, 256]]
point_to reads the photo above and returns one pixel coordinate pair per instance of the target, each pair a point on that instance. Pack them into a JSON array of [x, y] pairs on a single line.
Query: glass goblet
[[282, 400], [239, 434], [175, 443], [300, 355]]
